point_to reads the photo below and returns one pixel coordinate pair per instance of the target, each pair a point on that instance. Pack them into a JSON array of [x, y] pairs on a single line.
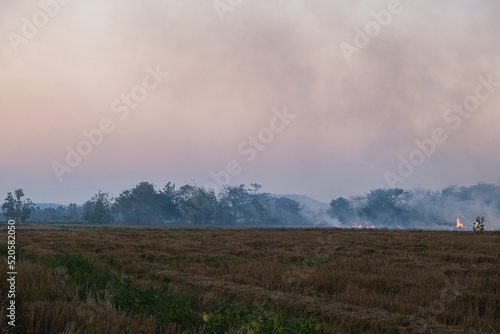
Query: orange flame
[[359, 226], [372, 226], [459, 224]]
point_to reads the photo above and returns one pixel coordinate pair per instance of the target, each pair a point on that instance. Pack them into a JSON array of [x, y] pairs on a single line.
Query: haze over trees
[[419, 208], [145, 204]]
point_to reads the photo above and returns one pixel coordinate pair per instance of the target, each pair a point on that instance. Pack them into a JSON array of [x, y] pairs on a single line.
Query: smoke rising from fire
[[355, 118]]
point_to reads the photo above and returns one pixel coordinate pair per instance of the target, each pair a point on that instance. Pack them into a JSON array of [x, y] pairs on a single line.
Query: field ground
[[132, 280]]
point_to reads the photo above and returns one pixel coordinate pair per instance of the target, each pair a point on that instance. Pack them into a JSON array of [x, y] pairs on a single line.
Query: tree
[[17, 208], [385, 206], [342, 210], [98, 209], [287, 211], [237, 202], [224, 213], [236, 205], [73, 212], [358, 203], [168, 202], [123, 206], [259, 207], [256, 187], [196, 205], [140, 205]]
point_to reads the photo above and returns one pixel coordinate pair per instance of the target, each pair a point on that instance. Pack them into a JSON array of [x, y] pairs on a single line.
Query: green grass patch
[[183, 308], [244, 320]]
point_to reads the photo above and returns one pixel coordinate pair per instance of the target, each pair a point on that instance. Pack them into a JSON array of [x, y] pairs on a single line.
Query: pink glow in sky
[[225, 77]]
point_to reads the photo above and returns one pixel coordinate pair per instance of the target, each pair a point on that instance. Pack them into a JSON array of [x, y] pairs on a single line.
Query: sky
[[313, 97]]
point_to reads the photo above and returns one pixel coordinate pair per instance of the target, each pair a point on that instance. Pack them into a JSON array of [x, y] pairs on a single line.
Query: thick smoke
[[421, 209]]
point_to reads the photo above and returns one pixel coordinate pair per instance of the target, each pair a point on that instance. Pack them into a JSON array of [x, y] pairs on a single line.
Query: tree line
[[146, 205]]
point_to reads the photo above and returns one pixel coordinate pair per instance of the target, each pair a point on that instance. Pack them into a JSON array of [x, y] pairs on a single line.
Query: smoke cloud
[[353, 119]]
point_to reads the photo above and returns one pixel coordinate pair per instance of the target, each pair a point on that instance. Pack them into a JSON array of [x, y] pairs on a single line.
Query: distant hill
[[306, 201]]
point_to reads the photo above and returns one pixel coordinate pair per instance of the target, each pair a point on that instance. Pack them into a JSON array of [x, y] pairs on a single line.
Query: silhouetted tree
[[73, 213], [140, 205], [98, 209], [168, 203], [197, 205], [236, 205], [287, 210], [342, 210], [237, 202], [16, 208], [224, 214], [383, 206], [255, 187]]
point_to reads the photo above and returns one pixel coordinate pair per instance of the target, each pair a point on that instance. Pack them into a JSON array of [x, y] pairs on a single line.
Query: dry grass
[[369, 281]]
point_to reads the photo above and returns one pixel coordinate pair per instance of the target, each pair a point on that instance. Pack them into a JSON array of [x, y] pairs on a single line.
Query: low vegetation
[[255, 281]]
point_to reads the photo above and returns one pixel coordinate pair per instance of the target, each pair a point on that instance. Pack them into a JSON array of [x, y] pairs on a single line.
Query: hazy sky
[[77, 65]]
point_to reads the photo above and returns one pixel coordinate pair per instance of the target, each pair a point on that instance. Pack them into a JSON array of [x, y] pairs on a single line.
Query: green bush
[[242, 320]]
